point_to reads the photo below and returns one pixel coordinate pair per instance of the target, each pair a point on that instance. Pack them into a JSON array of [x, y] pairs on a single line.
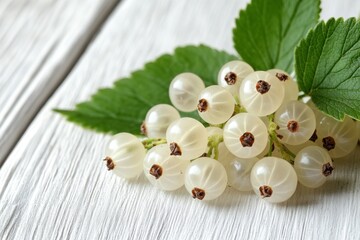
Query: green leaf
[[123, 107], [267, 31], [328, 67]]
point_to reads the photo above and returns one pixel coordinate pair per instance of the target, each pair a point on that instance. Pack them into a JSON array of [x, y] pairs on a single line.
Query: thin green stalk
[[152, 142], [285, 152]]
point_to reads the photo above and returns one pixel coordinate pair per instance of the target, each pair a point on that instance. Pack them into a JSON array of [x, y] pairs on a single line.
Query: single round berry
[[290, 86], [124, 155], [205, 178], [338, 138], [358, 129], [231, 75], [184, 91], [245, 135], [187, 137], [261, 93], [296, 122], [273, 179], [158, 119], [313, 165], [238, 171], [216, 105], [164, 170]]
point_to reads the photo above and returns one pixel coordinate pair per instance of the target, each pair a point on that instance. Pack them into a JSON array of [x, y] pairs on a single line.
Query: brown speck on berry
[[175, 149], [247, 139], [143, 129], [202, 105], [230, 78], [265, 191], [204, 155], [109, 163], [327, 169], [198, 193], [328, 143], [293, 126], [156, 171], [280, 136], [262, 86], [282, 76], [313, 137]]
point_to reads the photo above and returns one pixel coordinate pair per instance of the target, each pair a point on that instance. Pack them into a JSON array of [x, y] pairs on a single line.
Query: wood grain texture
[[40, 42], [55, 186]]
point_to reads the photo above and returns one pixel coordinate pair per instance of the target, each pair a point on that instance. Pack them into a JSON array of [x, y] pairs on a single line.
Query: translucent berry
[[164, 170], [238, 171], [231, 75], [290, 86], [313, 166], [124, 155], [296, 122], [338, 138], [245, 135], [205, 179], [158, 119], [187, 137], [215, 105], [261, 93], [273, 179], [184, 91]]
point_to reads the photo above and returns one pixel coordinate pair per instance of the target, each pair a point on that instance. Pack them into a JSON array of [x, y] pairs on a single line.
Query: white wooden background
[[53, 184]]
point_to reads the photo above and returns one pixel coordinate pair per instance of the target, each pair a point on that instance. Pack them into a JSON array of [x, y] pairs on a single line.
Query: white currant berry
[[261, 93], [158, 119], [205, 178], [313, 166], [238, 172], [245, 135], [215, 105], [187, 137], [290, 86], [296, 122], [124, 155], [184, 91], [339, 138], [231, 75], [273, 179], [164, 170]]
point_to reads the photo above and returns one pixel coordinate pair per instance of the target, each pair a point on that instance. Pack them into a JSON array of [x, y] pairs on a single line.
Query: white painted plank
[[55, 186], [40, 41]]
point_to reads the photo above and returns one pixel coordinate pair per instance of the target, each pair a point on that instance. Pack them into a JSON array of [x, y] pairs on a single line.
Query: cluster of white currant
[[257, 130]]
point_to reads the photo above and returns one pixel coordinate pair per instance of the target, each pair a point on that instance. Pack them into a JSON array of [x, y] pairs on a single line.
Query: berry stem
[[213, 143], [152, 142], [285, 152], [239, 109]]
